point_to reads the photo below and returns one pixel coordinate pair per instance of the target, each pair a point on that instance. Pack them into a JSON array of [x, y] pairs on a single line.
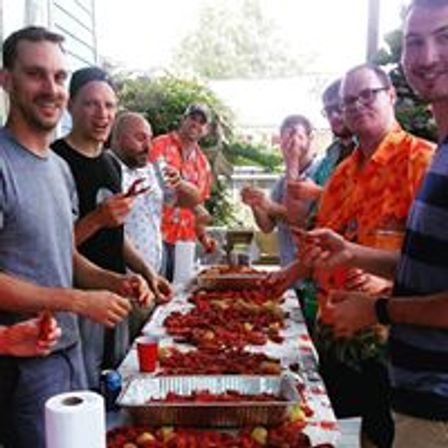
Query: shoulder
[[160, 144], [202, 157], [278, 187], [60, 146], [162, 140], [419, 151], [342, 170]]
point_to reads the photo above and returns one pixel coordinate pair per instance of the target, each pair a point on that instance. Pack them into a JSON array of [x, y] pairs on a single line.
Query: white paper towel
[[184, 254], [75, 420]]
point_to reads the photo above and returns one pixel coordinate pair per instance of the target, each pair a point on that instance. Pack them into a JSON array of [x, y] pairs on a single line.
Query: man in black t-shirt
[[102, 207]]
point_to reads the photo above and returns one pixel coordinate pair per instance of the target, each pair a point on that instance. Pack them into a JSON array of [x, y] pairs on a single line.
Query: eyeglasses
[[364, 98], [328, 111]]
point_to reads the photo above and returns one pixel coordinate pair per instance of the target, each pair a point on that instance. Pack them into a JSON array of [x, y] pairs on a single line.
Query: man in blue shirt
[[417, 311]]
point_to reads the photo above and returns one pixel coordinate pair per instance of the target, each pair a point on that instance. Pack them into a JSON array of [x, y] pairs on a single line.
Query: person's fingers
[[337, 296]]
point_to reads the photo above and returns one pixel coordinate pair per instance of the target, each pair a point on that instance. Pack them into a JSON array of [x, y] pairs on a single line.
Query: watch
[[381, 311]]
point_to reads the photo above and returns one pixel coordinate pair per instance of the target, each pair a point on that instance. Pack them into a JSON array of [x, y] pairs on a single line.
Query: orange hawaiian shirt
[[179, 223], [368, 204]]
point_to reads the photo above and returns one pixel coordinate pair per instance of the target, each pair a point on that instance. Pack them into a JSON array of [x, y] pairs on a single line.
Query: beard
[[343, 133], [33, 116]]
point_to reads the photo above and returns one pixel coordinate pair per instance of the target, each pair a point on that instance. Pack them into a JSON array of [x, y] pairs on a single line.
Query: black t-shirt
[[96, 179]]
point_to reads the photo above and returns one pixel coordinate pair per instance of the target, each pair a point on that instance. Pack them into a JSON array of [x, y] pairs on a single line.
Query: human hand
[[104, 307], [277, 282], [23, 339], [113, 211], [208, 243], [304, 189], [162, 289], [349, 312], [254, 197], [202, 216], [297, 209], [323, 248], [136, 287], [359, 280], [171, 177]]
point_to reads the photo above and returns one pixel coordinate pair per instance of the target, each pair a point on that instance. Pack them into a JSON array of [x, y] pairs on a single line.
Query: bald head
[[132, 139]]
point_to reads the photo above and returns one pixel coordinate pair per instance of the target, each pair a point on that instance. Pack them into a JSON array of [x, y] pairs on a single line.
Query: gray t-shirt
[[287, 245], [37, 204]]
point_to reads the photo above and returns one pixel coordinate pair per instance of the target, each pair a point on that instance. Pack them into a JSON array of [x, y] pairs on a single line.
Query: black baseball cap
[[85, 75]]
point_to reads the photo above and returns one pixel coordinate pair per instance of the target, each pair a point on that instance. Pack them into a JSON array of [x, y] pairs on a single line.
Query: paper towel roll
[[75, 420], [184, 254]]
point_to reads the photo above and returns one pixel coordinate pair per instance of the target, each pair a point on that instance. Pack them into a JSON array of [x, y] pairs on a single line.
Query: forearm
[[188, 195], [296, 271], [19, 295], [263, 220], [376, 261], [87, 226], [430, 311], [88, 275], [135, 262], [277, 211]]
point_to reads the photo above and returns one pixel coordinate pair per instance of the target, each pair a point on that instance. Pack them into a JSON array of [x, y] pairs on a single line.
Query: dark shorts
[[25, 386], [364, 392]]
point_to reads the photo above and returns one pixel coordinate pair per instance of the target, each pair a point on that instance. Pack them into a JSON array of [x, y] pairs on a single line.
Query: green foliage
[[413, 114], [244, 153], [163, 101], [235, 40], [219, 206]]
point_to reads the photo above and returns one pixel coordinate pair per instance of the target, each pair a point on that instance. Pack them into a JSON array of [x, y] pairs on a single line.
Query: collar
[[178, 143], [385, 150]]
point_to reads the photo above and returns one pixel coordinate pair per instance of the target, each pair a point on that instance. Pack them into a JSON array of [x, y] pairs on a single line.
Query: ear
[[5, 80], [70, 105], [205, 130], [393, 94], [312, 136]]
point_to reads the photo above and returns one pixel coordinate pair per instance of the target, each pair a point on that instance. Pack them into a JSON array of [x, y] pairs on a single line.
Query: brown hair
[[294, 120], [30, 33]]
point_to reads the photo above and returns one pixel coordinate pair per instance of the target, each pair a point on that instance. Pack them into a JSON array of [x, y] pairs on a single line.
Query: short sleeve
[[3, 196], [277, 191]]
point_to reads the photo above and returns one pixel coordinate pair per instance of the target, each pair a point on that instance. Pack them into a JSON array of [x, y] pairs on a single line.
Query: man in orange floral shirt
[[181, 150], [366, 200]]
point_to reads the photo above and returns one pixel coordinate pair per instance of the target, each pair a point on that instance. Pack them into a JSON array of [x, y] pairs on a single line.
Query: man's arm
[[188, 195], [90, 276], [429, 311], [350, 312], [135, 261], [279, 281], [19, 295], [325, 249], [265, 211], [159, 287], [25, 338], [263, 220], [110, 213], [376, 261]]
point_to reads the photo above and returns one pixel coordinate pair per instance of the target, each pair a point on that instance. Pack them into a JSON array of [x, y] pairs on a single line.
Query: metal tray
[[230, 281], [142, 388]]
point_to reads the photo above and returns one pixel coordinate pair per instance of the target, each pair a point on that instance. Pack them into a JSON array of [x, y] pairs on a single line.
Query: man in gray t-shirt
[[300, 163], [37, 259]]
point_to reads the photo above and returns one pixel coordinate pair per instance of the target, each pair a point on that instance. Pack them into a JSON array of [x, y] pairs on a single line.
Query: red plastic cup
[[147, 347]]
